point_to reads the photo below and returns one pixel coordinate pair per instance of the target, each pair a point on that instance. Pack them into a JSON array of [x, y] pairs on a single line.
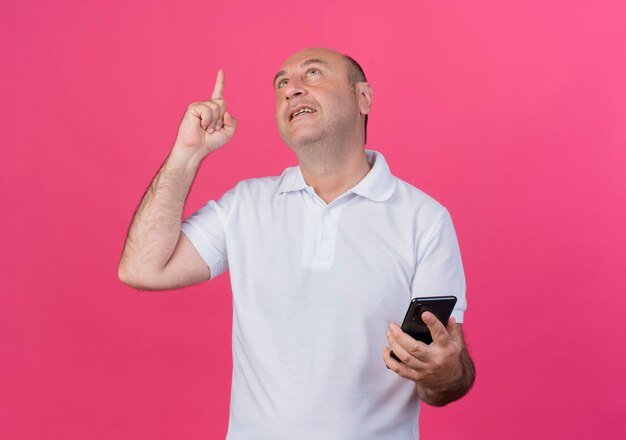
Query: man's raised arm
[[157, 256]]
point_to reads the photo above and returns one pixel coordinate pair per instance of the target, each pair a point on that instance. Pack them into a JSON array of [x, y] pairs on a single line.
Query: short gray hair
[[355, 75]]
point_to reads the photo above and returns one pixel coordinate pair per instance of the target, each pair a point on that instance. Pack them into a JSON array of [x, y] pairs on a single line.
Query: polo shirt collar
[[292, 180], [378, 185]]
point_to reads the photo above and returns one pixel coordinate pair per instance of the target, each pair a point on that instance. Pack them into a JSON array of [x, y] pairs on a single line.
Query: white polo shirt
[[315, 286]]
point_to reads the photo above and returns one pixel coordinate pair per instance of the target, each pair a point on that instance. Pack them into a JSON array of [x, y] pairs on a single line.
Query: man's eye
[[312, 71], [281, 83]]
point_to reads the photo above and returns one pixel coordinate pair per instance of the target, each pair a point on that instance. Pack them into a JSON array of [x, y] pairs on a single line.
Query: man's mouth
[[301, 111]]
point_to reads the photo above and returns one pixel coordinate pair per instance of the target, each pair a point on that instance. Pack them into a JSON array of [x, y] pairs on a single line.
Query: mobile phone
[[440, 306]]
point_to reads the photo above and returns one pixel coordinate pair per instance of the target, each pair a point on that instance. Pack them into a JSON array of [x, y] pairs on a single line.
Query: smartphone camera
[[417, 314]]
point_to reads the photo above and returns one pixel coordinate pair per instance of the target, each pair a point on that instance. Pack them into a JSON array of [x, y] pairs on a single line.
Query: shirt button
[[325, 237], [326, 212]]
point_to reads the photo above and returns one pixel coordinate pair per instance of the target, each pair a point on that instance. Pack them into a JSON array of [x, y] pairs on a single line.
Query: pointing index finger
[[218, 90]]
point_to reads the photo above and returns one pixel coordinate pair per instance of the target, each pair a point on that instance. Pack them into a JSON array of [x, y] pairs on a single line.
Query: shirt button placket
[[325, 219], [325, 228]]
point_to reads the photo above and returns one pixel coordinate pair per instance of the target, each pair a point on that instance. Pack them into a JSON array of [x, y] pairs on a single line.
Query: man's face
[[314, 99]]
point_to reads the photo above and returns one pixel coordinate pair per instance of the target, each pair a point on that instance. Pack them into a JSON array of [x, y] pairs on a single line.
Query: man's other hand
[[439, 369]]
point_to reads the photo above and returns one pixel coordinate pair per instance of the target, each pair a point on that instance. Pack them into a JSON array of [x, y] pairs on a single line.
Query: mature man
[[323, 260]]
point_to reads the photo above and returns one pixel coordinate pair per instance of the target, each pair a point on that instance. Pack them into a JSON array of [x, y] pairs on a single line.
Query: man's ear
[[364, 91]]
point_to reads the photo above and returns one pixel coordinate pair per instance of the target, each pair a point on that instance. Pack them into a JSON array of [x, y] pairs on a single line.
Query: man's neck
[[331, 175]]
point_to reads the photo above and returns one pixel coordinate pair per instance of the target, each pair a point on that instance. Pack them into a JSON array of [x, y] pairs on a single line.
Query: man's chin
[[299, 141]]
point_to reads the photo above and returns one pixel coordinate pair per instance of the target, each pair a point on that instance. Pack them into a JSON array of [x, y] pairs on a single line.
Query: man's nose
[[294, 88]]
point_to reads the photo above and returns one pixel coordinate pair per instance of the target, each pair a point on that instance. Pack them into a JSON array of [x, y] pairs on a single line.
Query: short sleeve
[[439, 269], [205, 228]]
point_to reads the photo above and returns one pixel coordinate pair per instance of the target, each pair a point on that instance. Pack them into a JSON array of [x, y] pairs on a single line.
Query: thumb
[[229, 121]]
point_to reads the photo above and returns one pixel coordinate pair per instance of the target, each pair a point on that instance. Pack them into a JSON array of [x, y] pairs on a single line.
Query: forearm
[[454, 389], [155, 228]]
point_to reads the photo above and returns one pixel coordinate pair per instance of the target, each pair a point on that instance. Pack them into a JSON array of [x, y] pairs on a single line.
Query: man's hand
[[442, 371], [206, 125]]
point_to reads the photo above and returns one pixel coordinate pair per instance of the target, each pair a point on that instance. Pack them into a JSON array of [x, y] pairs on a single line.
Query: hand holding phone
[[414, 326]]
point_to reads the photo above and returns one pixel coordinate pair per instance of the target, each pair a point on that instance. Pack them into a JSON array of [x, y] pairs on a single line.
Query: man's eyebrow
[[281, 73], [306, 63]]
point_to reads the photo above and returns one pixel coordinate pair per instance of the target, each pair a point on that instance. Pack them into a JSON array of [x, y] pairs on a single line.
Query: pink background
[[512, 114]]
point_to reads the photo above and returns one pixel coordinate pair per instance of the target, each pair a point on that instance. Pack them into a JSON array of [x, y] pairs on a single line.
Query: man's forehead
[[313, 52], [308, 56]]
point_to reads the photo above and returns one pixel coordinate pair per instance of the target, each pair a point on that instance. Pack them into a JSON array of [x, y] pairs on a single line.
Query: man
[[323, 260]]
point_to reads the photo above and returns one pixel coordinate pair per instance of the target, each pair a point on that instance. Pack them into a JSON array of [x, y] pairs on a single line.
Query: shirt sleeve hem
[[211, 257], [458, 315]]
